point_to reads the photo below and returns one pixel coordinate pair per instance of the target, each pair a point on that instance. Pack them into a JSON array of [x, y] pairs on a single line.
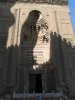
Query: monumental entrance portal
[[37, 49]]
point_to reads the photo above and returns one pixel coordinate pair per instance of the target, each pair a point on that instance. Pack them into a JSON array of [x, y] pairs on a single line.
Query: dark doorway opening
[[35, 83]]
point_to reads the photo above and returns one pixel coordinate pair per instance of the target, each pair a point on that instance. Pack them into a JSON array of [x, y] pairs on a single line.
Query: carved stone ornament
[[71, 41], [60, 2], [35, 29], [43, 35]]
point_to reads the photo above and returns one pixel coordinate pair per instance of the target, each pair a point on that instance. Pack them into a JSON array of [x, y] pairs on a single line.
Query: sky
[[72, 12]]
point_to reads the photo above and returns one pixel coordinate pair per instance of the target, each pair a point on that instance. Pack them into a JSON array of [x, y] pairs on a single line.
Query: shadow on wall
[[6, 20], [29, 34], [12, 77], [63, 59], [34, 24], [56, 68]]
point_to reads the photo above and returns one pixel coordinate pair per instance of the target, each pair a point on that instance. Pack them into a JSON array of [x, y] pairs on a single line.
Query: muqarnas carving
[[35, 28]]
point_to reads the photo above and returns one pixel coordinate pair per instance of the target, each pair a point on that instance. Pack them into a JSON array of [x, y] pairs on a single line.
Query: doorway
[[35, 83]]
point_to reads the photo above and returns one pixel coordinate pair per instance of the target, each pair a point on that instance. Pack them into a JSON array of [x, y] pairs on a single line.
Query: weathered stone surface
[[29, 45], [59, 2]]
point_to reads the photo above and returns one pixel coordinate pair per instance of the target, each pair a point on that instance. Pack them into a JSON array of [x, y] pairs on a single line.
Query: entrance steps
[[36, 96]]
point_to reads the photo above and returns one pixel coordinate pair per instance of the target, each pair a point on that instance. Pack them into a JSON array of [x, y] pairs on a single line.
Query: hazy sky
[[72, 10]]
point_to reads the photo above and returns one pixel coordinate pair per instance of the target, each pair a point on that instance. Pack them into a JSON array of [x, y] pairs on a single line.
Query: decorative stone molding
[[59, 2], [71, 41]]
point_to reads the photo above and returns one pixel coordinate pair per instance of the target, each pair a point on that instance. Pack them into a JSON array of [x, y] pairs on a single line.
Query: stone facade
[[36, 40]]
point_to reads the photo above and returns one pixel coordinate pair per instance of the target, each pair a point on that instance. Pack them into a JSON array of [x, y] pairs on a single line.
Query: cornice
[[53, 2]]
